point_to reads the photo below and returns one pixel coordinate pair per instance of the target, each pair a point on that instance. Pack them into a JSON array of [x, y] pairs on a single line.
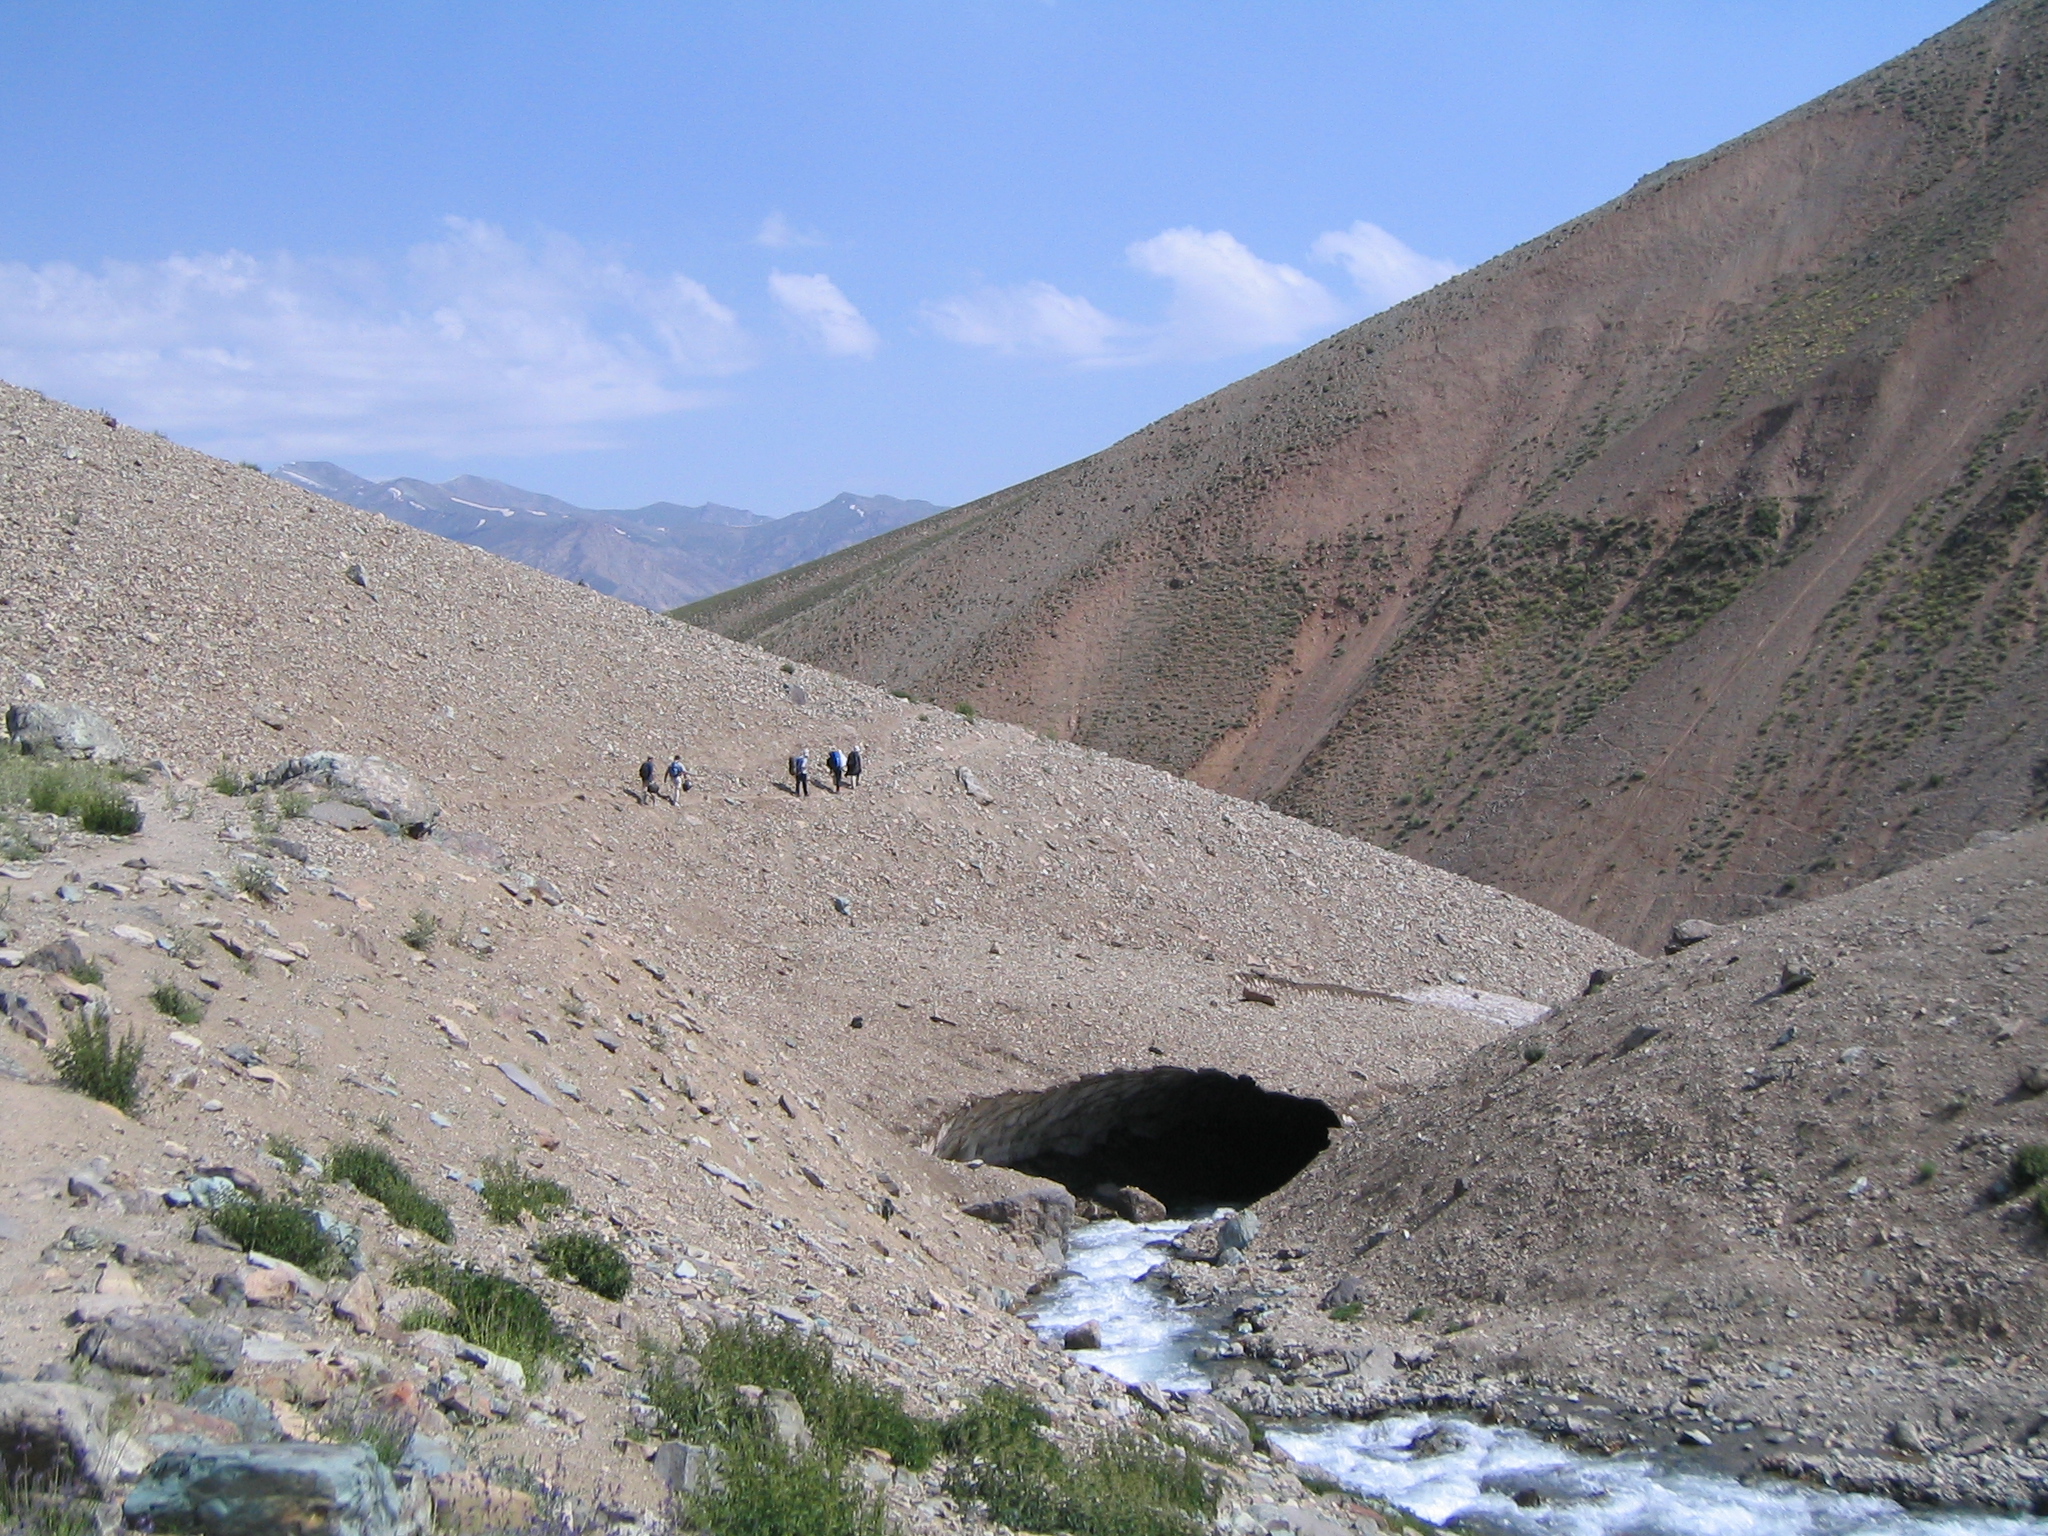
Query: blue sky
[[762, 253]]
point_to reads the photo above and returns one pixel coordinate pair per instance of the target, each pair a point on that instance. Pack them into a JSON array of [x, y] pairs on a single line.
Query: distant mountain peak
[[660, 555]]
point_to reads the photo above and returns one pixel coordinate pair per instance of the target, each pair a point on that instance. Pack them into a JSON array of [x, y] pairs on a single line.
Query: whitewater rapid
[[1448, 1470]]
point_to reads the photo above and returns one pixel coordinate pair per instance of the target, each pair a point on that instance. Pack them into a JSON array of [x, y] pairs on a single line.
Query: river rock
[[156, 1342], [1130, 1202], [1042, 1215], [1215, 1423], [1086, 1335], [70, 729], [380, 787], [259, 1490], [1237, 1231]]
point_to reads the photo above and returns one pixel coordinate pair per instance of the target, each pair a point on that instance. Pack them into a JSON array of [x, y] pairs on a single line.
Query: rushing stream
[[1470, 1472]]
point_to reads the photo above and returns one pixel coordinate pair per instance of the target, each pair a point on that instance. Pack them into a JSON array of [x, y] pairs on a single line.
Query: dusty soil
[[1683, 561], [690, 1007]]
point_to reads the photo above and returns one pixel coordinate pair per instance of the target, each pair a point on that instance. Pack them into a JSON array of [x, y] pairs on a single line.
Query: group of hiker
[[843, 766], [676, 776]]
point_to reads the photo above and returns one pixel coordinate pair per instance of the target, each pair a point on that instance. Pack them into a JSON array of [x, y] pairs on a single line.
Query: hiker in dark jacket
[[800, 770], [647, 782], [853, 765], [836, 761]]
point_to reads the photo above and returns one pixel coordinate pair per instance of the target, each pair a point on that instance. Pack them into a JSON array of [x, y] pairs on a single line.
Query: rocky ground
[[1756, 1197], [731, 1026]]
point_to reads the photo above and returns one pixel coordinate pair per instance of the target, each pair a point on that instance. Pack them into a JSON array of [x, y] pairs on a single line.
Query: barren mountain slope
[[1714, 1191], [735, 989], [1682, 560]]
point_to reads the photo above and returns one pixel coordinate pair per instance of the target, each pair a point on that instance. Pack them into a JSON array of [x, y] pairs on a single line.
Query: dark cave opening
[[1193, 1138]]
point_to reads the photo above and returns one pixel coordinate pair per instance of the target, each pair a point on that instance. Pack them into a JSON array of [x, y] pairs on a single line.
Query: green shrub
[[1127, 1485], [1347, 1311], [89, 1062], [228, 781], [174, 1002], [288, 1232], [494, 1311], [424, 930], [588, 1260], [45, 1506], [286, 1151], [2030, 1165], [294, 805], [110, 814], [88, 973], [508, 1190], [767, 1492], [87, 793], [845, 1412], [377, 1174], [964, 709], [257, 880]]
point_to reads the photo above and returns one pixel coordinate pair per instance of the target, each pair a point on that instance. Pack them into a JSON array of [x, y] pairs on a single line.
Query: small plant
[[2029, 1165], [88, 973], [289, 1232], [1927, 1170], [964, 709], [359, 1419], [45, 1506], [256, 881], [508, 1191], [493, 1311], [89, 1062], [588, 1260], [425, 929], [264, 818], [228, 781], [1347, 1311], [383, 1127], [1534, 1051], [174, 1002], [1422, 1314], [294, 805], [286, 1151], [789, 667], [377, 1174]]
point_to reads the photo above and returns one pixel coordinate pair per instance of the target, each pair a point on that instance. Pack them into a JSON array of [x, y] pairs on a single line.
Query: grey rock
[[70, 729], [154, 1342], [357, 576], [22, 1017], [429, 1456], [972, 785], [1908, 1437], [379, 786], [258, 1490], [1697, 1437], [342, 816], [1131, 1202], [1042, 1215], [2034, 1079], [1238, 1230], [785, 1416], [58, 955], [1216, 1423], [1343, 1293], [1691, 931], [1086, 1335], [241, 1408], [1794, 975], [57, 1432], [685, 1468]]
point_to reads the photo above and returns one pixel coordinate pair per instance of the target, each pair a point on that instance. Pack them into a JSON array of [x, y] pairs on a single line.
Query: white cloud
[[1033, 318], [778, 234], [1227, 300], [1385, 270], [824, 314], [476, 344]]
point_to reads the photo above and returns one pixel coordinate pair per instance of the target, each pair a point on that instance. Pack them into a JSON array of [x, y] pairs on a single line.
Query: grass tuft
[[493, 1311], [508, 1190], [425, 929], [88, 1060], [174, 1002], [588, 1260], [2029, 1165], [288, 1232], [377, 1174]]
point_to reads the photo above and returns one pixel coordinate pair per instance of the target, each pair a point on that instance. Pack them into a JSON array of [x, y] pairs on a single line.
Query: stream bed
[[1484, 1478]]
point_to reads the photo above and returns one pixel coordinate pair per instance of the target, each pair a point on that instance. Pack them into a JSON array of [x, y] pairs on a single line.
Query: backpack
[[647, 771], [798, 766], [836, 761], [853, 762]]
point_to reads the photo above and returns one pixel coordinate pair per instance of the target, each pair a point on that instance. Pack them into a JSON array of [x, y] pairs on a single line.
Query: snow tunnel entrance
[[1192, 1138]]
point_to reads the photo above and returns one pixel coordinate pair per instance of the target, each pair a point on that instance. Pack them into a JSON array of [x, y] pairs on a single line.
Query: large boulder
[[55, 1435], [1040, 1214], [157, 1342], [69, 729], [259, 1490], [380, 787]]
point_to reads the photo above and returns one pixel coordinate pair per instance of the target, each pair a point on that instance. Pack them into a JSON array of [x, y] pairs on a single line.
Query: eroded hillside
[[1684, 560], [731, 1026]]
